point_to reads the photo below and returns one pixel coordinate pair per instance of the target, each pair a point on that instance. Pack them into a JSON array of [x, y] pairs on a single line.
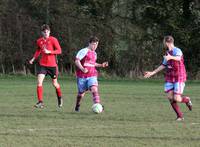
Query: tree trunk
[[131, 74], [35, 69], [24, 69], [3, 69], [47, 11], [13, 68]]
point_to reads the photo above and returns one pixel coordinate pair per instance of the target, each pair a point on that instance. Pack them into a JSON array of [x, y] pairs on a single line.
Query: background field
[[136, 114]]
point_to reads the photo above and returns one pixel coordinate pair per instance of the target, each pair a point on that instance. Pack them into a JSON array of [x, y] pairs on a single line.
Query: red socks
[[40, 93], [96, 97], [185, 99], [176, 109], [58, 92], [78, 100]]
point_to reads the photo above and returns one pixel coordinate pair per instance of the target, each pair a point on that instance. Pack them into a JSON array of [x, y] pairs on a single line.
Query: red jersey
[[50, 44], [175, 70]]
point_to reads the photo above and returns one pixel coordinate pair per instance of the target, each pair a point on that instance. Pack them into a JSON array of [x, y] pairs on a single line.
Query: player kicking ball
[[86, 72], [175, 76], [48, 47]]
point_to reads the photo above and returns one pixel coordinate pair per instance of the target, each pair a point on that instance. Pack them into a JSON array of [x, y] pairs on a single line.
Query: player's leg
[[178, 90], [95, 94], [175, 105], [82, 87], [78, 100], [93, 86], [41, 73], [187, 101], [170, 95], [40, 79], [53, 72], [58, 92]]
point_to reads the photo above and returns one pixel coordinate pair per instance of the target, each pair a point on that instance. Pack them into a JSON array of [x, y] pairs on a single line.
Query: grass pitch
[[136, 115]]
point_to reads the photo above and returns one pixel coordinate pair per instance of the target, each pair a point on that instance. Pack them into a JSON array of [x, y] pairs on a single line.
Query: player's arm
[[80, 55], [104, 64], [148, 74], [56, 47], [80, 66], [170, 57], [37, 53]]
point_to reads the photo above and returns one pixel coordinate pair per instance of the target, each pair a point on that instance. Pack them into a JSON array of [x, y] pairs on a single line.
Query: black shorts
[[51, 71]]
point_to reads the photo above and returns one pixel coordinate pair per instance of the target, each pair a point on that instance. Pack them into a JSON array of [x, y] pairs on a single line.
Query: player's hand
[[31, 61], [46, 51], [105, 64], [148, 74], [85, 70], [167, 57]]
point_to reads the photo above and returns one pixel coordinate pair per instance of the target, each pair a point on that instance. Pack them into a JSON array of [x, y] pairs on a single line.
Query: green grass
[[136, 114]]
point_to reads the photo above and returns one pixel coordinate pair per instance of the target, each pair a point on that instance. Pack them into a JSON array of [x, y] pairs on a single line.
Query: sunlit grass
[[136, 114]]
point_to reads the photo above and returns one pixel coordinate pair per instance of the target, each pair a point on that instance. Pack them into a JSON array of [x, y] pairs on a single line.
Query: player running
[[48, 47], [86, 72], [175, 76]]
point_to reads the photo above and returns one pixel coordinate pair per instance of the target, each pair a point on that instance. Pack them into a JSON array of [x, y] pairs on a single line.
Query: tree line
[[130, 32]]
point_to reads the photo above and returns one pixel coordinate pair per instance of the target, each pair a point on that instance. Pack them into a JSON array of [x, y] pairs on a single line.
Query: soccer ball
[[97, 108]]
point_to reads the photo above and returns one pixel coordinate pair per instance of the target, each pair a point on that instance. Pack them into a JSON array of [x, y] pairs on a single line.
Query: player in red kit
[[48, 47], [175, 76]]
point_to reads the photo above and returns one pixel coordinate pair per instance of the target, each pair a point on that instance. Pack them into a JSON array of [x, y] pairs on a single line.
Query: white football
[[97, 108]]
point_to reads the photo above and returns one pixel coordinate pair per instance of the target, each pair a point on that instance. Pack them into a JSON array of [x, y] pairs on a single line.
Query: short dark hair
[[168, 39], [93, 39], [45, 27]]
